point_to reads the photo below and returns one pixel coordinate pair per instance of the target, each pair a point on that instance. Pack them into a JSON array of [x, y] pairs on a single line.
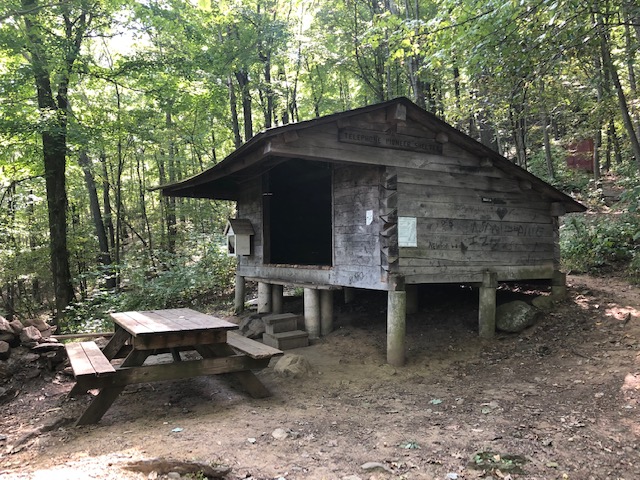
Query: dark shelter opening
[[297, 201]]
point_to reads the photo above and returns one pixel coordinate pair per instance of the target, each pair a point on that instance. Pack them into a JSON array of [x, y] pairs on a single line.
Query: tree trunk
[[414, 61], [233, 106], [457, 89], [622, 100], [106, 202], [10, 275], [617, 148], [143, 205], [631, 52], [170, 202], [519, 126], [94, 205], [54, 149], [546, 125], [33, 245], [242, 76], [268, 114], [633, 13]]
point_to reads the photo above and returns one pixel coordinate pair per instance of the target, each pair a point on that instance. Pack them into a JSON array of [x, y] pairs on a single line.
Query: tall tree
[[53, 36]]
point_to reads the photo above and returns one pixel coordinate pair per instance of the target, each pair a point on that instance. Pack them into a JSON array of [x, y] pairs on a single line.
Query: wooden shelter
[[383, 197]]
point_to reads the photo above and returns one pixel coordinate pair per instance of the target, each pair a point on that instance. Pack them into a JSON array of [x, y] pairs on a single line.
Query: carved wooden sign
[[389, 140]]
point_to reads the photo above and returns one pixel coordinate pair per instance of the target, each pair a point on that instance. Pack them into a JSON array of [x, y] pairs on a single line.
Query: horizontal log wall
[[471, 220]]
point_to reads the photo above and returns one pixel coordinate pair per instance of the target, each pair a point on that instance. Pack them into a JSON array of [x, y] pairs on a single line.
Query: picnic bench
[[142, 334]]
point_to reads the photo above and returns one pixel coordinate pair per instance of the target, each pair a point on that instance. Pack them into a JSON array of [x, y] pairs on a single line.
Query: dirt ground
[[558, 401]]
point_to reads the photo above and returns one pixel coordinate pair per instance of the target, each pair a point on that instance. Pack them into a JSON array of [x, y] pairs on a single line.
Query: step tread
[[290, 334], [280, 317]]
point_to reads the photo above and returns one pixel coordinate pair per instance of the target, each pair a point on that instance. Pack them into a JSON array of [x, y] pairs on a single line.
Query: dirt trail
[[561, 396]]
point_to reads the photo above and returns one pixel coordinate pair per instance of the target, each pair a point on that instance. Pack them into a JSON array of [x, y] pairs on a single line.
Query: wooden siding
[[356, 244], [468, 222], [356, 259], [471, 216], [249, 206], [323, 140]]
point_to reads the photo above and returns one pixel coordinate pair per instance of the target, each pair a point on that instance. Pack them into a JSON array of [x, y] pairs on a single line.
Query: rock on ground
[[30, 336], [293, 366], [252, 327], [543, 302], [515, 316]]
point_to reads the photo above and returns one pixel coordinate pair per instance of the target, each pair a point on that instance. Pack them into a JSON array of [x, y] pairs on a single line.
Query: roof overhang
[[224, 180]]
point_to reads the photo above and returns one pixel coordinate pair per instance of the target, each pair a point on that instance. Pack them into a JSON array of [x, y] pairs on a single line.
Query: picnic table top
[[176, 320]]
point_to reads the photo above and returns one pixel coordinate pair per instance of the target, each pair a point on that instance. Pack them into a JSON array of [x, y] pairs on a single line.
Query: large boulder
[[252, 327], [293, 366], [5, 326], [16, 326], [45, 329], [30, 336], [515, 316]]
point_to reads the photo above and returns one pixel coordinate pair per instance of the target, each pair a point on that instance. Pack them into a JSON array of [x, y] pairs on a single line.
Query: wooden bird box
[[238, 232]]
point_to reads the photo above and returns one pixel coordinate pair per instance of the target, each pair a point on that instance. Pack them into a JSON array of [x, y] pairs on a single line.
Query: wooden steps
[[281, 322], [281, 331]]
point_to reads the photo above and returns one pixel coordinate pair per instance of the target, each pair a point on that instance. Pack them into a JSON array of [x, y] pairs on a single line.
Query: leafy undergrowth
[[606, 238]]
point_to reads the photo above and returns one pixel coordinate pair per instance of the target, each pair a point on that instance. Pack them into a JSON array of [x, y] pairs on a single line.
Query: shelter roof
[[259, 154]]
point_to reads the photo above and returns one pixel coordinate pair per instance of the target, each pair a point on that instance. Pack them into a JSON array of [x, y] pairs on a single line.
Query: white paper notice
[[369, 217], [407, 236]]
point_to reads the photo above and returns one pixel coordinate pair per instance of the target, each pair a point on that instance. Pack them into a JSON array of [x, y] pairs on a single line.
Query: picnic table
[[145, 333]]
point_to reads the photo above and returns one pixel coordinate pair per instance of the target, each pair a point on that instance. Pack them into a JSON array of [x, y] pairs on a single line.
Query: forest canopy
[[102, 100]]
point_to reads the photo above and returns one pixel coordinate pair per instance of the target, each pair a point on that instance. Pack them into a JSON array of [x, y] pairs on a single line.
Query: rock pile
[[25, 343]]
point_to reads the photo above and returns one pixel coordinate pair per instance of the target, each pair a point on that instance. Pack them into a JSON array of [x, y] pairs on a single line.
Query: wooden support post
[[396, 321], [349, 294], [487, 309], [412, 298], [312, 312], [240, 293], [264, 297], [558, 285], [326, 312], [277, 296]]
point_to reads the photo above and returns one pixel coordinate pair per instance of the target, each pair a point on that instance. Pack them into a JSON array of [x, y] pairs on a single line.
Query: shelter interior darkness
[[297, 210]]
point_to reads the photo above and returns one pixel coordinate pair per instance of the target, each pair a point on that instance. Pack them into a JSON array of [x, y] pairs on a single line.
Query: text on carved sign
[[386, 140]]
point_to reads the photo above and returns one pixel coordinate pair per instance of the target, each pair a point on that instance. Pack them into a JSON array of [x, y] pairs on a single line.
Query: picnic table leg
[[246, 378], [78, 389], [118, 340], [107, 395]]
